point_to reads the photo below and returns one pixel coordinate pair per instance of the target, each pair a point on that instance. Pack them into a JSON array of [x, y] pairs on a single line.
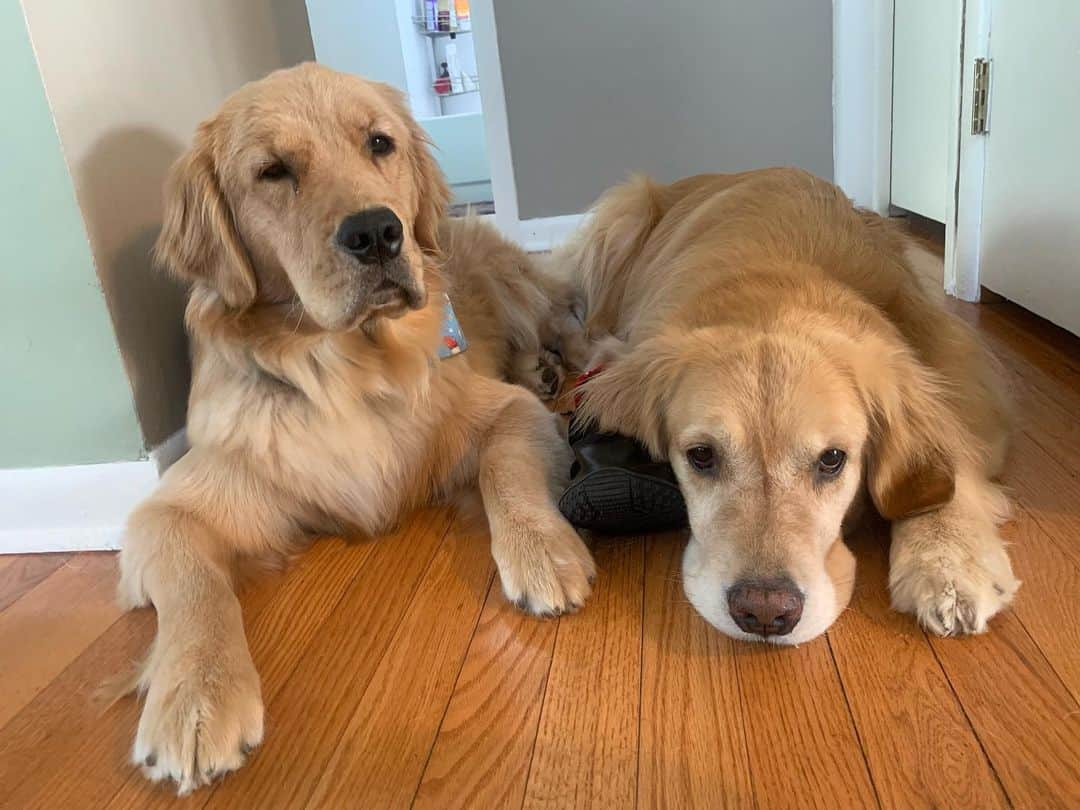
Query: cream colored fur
[[318, 406], [762, 316]]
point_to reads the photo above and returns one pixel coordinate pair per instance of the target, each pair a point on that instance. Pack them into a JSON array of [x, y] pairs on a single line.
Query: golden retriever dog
[[774, 344], [307, 219]]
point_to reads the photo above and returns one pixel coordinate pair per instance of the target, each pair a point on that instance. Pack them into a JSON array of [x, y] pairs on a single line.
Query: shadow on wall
[[121, 180]]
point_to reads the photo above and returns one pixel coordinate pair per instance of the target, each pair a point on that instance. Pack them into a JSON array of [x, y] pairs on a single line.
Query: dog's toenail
[[999, 589], [548, 375], [247, 748], [150, 761]]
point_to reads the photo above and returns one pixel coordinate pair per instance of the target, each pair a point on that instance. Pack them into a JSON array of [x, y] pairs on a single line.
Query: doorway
[[425, 48]]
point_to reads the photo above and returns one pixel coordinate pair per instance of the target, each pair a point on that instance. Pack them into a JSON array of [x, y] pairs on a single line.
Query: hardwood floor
[[395, 673]]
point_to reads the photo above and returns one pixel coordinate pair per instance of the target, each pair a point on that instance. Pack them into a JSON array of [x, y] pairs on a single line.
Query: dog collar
[[453, 339]]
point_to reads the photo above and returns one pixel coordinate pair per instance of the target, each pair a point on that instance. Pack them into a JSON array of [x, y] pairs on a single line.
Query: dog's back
[[639, 265]]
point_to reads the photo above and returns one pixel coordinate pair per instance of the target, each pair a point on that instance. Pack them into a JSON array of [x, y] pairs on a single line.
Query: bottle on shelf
[[453, 65], [443, 85]]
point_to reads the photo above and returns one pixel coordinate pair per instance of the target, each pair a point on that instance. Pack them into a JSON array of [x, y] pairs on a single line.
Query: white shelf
[[421, 25]]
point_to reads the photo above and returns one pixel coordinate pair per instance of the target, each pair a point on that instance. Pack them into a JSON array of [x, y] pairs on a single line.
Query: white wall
[[128, 81]]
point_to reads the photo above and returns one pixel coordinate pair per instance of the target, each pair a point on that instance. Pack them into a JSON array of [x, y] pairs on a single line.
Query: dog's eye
[[701, 457], [831, 462], [380, 144], [273, 171]]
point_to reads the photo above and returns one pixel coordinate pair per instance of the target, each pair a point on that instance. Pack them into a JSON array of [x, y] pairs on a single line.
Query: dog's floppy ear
[[199, 241], [433, 195], [630, 394], [911, 466]]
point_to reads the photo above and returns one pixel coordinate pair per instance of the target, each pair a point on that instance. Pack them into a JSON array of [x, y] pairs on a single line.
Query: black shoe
[[617, 488]]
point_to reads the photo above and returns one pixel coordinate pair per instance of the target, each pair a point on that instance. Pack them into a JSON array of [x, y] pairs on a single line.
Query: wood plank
[[20, 573], [482, 753], [1047, 603], [278, 636], [586, 750], [380, 758], [46, 630], [919, 746], [693, 745], [64, 742], [1027, 721], [803, 747], [1048, 492], [311, 711]]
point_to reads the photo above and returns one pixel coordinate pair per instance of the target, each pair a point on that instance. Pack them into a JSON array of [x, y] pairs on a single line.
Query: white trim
[[77, 508], [862, 100], [545, 233], [963, 231], [496, 123]]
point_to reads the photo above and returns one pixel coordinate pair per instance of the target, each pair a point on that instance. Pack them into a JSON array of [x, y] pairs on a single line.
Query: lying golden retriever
[[773, 342], [307, 219]]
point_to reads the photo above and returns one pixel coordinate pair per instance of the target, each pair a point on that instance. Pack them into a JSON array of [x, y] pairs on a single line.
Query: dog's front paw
[[952, 591], [203, 712], [545, 572]]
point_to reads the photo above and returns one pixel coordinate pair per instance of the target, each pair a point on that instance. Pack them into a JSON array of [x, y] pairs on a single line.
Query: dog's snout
[[769, 607], [371, 236]]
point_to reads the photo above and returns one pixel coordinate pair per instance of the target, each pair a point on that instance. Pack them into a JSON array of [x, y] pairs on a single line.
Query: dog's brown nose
[[765, 607], [373, 235]]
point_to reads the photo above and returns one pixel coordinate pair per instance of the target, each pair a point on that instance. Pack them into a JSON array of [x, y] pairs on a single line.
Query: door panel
[[926, 56], [1030, 251]]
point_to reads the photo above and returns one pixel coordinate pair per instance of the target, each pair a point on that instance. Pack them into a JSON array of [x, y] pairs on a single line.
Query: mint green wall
[[64, 397]]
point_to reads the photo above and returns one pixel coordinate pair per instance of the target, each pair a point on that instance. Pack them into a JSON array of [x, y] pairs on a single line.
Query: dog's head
[[308, 186], [772, 438]]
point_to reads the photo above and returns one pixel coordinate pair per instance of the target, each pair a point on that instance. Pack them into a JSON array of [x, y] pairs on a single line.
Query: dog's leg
[[949, 567], [203, 710], [544, 566]]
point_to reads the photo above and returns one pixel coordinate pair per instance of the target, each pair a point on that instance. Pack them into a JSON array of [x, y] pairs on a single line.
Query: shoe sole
[[615, 501]]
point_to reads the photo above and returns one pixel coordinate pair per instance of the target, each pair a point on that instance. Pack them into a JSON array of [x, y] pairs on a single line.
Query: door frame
[[963, 231], [862, 116]]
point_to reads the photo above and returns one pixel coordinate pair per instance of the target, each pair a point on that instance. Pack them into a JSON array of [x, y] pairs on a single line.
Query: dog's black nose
[[765, 607], [373, 235]]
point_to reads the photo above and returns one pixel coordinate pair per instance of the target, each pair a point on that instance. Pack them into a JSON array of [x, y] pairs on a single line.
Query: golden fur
[[318, 404], [762, 316]]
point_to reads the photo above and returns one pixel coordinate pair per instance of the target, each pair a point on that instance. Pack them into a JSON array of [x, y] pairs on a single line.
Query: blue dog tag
[[453, 339]]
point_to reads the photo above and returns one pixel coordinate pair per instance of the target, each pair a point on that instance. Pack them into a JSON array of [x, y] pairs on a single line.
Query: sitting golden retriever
[[306, 217], [773, 343]]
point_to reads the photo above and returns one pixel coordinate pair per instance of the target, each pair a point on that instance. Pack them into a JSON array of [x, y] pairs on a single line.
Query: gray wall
[[596, 89]]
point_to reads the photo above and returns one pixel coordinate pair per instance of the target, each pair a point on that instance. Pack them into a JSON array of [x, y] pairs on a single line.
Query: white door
[[1030, 236], [926, 59]]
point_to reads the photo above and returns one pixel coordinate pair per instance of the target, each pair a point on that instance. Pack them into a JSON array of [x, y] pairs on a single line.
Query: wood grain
[[802, 742], [46, 629], [693, 743], [919, 746], [20, 573], [278, 638], [63, 743], [1047, 603], [1026, 719], [482, 753], [380, 758], [587, 743], [308, 715]]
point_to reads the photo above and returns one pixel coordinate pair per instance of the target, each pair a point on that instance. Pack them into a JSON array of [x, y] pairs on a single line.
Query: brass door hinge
[[980, 100]]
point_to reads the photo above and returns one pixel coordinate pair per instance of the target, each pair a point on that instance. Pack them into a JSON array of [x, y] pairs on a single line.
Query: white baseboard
[[544, 233], [77, 508]]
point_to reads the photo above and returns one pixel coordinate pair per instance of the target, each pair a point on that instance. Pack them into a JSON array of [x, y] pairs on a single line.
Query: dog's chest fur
[[358, 435]]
